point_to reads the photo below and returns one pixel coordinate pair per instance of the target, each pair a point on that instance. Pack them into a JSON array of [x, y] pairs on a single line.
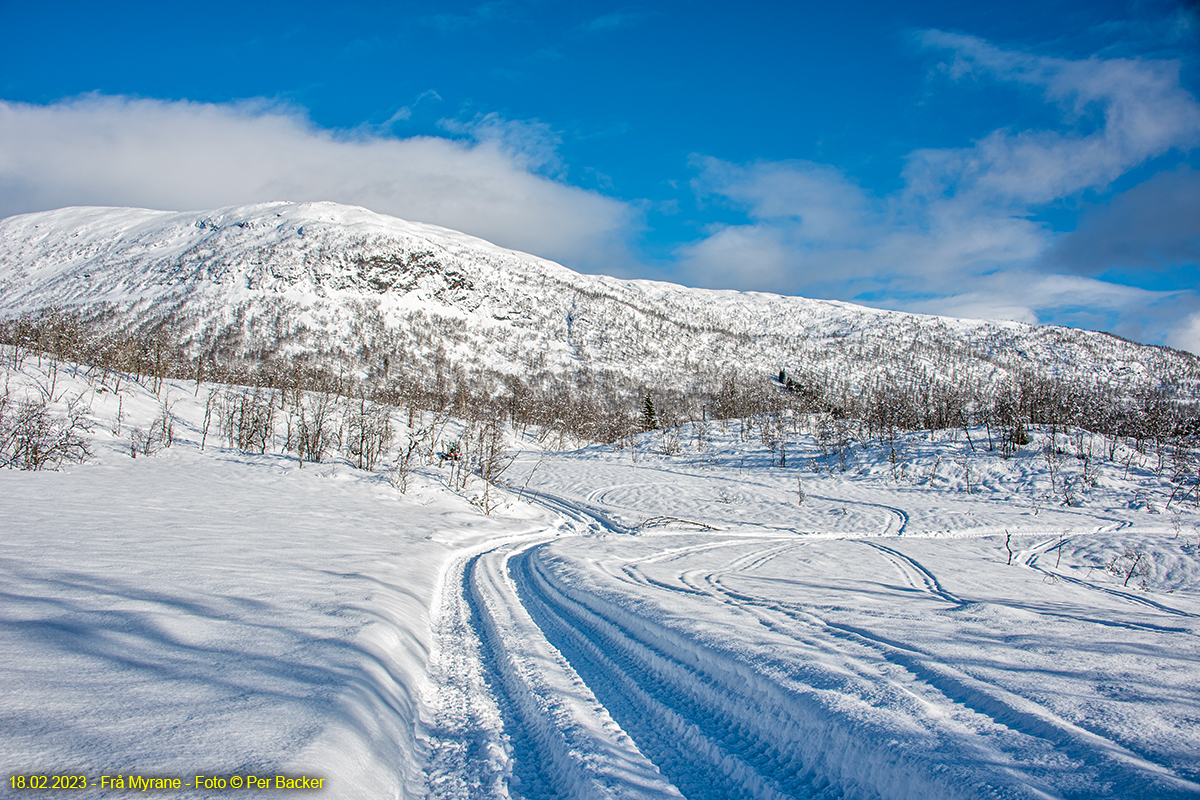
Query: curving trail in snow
[[706, 626], [515, 719], [686, 641]]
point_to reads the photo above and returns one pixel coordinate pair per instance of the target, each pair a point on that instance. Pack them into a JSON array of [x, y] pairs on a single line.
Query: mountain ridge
[[288, 278]]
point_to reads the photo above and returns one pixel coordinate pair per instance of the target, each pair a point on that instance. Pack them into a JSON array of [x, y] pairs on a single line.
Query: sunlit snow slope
[[932, 620], [322, 277]]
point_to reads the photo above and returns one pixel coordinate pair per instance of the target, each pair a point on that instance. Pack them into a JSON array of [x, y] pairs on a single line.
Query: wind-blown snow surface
[[217, 612], [634, 625], [323, 277]]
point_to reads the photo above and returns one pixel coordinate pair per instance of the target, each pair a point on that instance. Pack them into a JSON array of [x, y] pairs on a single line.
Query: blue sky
[[1031, 161]]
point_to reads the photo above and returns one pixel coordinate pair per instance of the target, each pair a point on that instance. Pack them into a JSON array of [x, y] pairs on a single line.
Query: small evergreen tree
[[649, 415]]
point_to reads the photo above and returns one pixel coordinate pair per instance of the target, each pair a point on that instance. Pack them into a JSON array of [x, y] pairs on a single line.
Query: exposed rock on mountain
[[278, 279]]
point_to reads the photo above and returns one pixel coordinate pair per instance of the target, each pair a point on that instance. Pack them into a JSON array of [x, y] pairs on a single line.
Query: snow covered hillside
[[286, 278], [461, 523], [690, 615]]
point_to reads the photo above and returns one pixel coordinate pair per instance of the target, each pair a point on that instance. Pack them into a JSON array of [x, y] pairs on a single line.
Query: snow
[[633, 625], [217, 612], [890, 608], [327, 278]]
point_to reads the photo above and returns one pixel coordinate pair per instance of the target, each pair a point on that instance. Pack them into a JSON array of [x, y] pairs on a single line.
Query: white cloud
[[813, 230], [810, 223], [182, 155], [623, 18], [1186, 335], [1143, 108], [531, 144], [959, 233], [1152, 226], [739, 257], [825, 205], [482, 14], [1030, 297]]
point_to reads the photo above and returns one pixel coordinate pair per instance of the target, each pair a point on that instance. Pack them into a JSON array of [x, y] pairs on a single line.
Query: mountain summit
[[279, 279]]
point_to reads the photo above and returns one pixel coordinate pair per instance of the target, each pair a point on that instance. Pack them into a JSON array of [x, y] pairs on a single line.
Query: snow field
[[219, 612], [1046, 677], [707, 624]]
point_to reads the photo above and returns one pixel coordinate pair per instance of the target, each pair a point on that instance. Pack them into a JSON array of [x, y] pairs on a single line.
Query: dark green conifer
[[649, 415]]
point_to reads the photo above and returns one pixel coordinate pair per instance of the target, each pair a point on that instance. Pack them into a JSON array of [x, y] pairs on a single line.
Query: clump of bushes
[[36, 435]]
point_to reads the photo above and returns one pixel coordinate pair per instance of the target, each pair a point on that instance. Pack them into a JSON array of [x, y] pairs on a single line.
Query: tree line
[[304, 392]]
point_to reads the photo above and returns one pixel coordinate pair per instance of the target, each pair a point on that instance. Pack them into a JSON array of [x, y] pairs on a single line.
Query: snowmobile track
[[693, 716], [1122, 766]]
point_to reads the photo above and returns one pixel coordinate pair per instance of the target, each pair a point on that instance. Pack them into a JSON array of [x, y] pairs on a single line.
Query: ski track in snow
[[636, 630], [723, 720]]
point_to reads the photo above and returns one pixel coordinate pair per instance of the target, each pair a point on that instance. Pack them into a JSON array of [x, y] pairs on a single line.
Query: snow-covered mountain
[[665, 614], [281, 278]]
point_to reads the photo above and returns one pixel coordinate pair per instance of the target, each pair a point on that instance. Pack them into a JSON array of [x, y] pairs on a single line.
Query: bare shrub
[[368, 432], [160, 434], [492, 460], [316, 427], [669, 440], [247, 418], [1130, 564], [402, 469], [141, 442], [701, 432], [33, 435]]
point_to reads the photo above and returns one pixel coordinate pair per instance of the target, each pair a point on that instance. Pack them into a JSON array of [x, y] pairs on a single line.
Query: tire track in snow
[[717, 727], [680, 686], [906, 564], [678, 714], [590, 501], [697, 581], [546, 737], [633, 574], [466, 755], [1041, 549], [529, 776], [900, 514], [1121, 766]]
